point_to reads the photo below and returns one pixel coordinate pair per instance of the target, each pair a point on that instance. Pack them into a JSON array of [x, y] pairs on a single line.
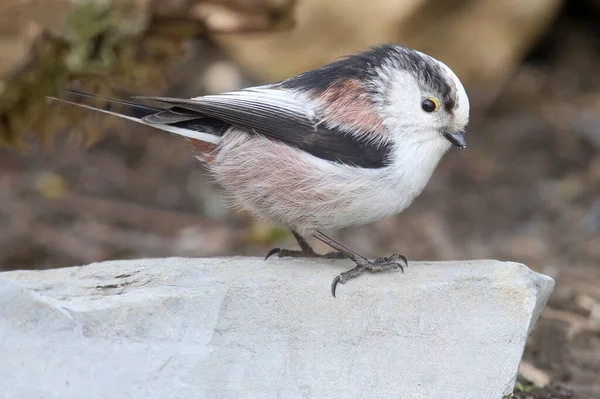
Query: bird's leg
[[393, 262], [306, 251]]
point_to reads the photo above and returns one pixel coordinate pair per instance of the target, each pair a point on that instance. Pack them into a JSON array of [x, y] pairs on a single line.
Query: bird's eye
[[429, 105]]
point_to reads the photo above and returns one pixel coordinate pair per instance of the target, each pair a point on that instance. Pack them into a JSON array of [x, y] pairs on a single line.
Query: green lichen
[[24, 96], [524, 387], [261, 234], [101, 46], [95, 31]]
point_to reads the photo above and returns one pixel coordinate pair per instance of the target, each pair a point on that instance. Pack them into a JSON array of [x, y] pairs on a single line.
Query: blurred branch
[[44, 45], [574, 321], [533, 374]]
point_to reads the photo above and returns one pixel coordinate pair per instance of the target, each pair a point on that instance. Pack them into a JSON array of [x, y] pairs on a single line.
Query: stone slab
[[246, 328]]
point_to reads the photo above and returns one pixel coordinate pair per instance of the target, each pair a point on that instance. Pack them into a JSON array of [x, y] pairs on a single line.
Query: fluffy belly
[[299, 191]]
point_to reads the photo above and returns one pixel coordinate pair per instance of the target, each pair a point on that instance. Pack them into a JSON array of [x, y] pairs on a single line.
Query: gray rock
[[246, 328]]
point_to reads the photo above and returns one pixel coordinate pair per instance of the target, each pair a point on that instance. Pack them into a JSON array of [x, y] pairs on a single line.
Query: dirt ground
[[527, 189]]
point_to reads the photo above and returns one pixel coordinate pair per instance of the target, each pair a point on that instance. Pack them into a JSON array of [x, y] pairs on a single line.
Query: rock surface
[[246, 328]]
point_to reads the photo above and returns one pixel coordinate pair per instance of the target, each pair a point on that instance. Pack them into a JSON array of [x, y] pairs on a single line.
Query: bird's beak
[[456, 138]]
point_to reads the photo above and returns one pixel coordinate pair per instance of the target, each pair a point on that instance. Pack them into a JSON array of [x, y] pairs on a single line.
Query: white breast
[[390, 190]]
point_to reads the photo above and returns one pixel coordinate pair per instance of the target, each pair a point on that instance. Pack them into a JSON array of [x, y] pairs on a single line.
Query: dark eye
[[429, 105]]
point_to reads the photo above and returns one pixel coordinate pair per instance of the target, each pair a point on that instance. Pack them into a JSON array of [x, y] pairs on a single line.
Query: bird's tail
[[129, 110]]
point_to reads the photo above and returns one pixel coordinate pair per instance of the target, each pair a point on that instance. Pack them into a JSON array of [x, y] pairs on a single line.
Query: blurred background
[[77, 187]]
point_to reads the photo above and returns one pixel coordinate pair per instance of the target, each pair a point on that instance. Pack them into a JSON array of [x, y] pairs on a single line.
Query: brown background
[[527, 189]]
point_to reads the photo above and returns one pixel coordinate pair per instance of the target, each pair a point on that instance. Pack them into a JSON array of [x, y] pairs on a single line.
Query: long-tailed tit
[[346, 144]]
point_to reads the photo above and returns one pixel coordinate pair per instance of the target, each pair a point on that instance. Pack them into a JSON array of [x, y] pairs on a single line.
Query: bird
[[345, 144]]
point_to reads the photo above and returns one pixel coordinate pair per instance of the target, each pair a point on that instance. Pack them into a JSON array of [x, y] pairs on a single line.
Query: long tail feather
[[131, 111]]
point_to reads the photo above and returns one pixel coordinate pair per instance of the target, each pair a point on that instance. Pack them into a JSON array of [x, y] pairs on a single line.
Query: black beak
[[456, 138]]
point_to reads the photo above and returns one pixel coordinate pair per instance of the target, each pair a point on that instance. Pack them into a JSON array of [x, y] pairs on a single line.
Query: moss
[[524, 387], [261, 234], [95, 31], [24, 96], [102, 46]]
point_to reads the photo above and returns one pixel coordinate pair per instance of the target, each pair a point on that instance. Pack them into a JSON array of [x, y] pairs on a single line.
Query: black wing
[[277, 114]]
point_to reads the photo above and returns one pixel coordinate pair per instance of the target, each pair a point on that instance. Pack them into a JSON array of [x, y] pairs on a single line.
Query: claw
[[334, 284], [403, 258], [273, 252], [400, 265], [399, 260]]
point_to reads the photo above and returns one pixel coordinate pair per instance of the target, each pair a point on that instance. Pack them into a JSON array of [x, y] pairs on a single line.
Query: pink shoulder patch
[[347, 104]]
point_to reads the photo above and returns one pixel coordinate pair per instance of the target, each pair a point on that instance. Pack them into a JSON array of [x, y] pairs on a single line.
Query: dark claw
[[401, 267], [400, 260], [403, 258], [334, 284], [273, 252]]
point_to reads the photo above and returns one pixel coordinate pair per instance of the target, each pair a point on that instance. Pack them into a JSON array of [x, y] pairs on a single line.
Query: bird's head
[[419, 97]]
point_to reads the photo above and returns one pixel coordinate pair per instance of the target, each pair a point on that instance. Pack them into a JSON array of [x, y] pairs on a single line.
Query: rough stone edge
[[542, 286]]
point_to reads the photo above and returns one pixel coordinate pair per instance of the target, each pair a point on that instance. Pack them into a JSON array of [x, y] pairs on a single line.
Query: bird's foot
[[362, 264], [282, 253], [306, 251]]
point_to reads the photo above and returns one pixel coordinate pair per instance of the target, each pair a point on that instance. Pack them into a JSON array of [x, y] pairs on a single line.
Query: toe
[[400, 260], [404, 260], [273, 252], [334, 284], [333, 255]]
